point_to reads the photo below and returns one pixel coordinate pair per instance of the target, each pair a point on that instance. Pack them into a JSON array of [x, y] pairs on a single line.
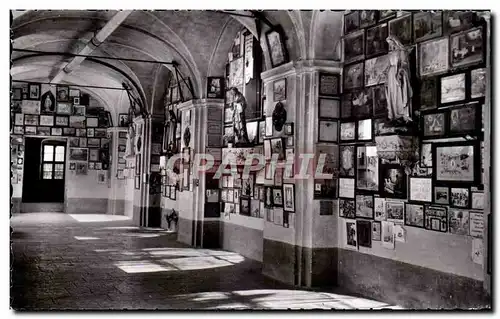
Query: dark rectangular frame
[[222, 87], [274, 90], [382, 168], [39, 91], [423, 214], [338, 131], [281, 33], [477, 165], [356, 205], [332, 94], [469, 201]]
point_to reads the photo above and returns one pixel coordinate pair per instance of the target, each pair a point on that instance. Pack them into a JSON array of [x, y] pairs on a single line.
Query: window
[[53, 161]]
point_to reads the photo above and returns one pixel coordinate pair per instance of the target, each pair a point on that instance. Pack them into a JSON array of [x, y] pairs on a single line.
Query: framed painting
[[353, 76], [379, 208], [386, 14], [62, 93], [362, 103], [364, 206], [31, 130], [401, 28], [436, 218], [327, 131], [428, 93], [64, 108], [427, 25], [279, 90], [69, 131], [452, 88], [379, 101], [455, 21], [433, 57], [351, 22], [277, 147], [367, 167], [433, 124], [376, 43], [395, 211], [458, 221], [329, 84], [347, 160], [367, 18], [466, 48], [460, 197], [347, 208], [414, 215], [276, 47], [289, 193], [31, 119], [393, 181], [441, 195], [346, 105], [420, 189], [478, 83], [19, 119], [34, 91], [62, 120], [365, 130], [215, 87], [464, 120], [456, 163], [354, 46], [376, 70], [94, 142]]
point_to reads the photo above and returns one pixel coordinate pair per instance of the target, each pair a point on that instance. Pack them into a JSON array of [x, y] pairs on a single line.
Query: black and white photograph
[[467, 48], [347, 131], [478, 83], [347, 154], [367, 168], [78, 154], [433, 57], [393, 181], [460, 197], [215, 87], [62, 93], [279, 90], [395, 211], [453, 88], [64, 108], [328, 131], [351, 236]]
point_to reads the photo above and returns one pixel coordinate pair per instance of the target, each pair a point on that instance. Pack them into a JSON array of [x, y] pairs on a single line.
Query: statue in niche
[[130, 150], [398, 89], [239, 120], [279, 116], [48, 102]]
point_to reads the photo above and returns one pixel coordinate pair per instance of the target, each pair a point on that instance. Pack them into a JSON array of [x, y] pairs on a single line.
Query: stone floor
[[92, 262]]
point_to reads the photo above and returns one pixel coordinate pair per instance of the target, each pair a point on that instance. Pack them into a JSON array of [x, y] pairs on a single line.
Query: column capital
[[301, 66]]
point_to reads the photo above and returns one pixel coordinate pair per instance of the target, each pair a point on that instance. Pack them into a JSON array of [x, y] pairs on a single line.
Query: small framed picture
[[18, 130], [92, 122], [19, 119], [72, 166], [62, 93], [365, 129], [69, 131], [420, 189], [436, 218], [30, 130], [477, 201], [441, 195], [329, 84], [74, 93], [427, 25], [279, 90], [288, 128], [464, 120], [354, 47], [446, 171], [354, 76], [347, 131], [433, 56], [74, 142], [395, 211], [393, 181], [123, 120], [277, 147], [347, 208], [79, 110], [94, 142], [433, 124], [327, 131], [276, 46], [90, 132], [466, 48], [478, 83], [351, 21], [62, 120], [452, 88], [329, 108], [269, 126], [56, 131], [364, 206], [34, 91], [277, 197], [414, 215], [401, 28], [460, 197], [215, 87], [376, 40], [17, 94], [43, 130], [31, 119], [290, 141], [76, 100], [428, 93], [64, 108]]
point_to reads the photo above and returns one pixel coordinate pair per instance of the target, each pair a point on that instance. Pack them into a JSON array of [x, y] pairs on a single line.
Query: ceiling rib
[[99, 38]]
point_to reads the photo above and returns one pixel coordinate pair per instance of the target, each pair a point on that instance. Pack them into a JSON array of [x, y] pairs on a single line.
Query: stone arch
[[326, 35]]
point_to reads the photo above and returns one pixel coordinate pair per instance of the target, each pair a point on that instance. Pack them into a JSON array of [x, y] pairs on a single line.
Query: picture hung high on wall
[[376, 40], [17, 94], [34, 91], [386, 14], [48, 103], [277, 147], [276, 47], [456, 21], [56, 131], [364, 233], [31, 119], [353, 76], [433, 57], [215, 87], [467, 48], [456, 162], [279, 90], [19, 119], [464, 119], [62, 121], [427, 25], [425, 154], [376, 70], [354, 46], [367, 18], [453, 88], [31, 130], [367, 168], [351, 21], [45, 131], [62, 93], [346, 105], [329, 84], [64, 108], [365, 130], [401, 28]]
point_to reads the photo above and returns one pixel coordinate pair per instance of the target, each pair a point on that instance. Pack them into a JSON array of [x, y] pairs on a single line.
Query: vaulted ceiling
[[197, 40]]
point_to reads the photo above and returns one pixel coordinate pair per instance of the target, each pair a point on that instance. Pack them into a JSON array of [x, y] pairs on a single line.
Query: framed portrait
[[353, 76], [401, 28], [459, 197], [123, 120], [79, 110], [62, 121], [375, 70], [441, 195], [362, 103], [426, 155], [393, 181], [79, 154], [453, 88], [42, 130], [420, 189], [276, 47], [414, 215], [347, 208], [18, 119], [278, 147], [34, 91], [64, 108], [62, 93], [436, 218], [427, 25], [279, 90], [456, 163], [31, 119], [346, 187], [215, 87], [365, 130], [327, 131], [428, 93], [379, 101], [467, 48], [364, 233], [395, 211], [433, 57], [464, 119], [478, 83], [376, 43], [289, 193], [351, 21], [92, 122], [347, 131], [30, 130], [367, 177], [354, 46], [434, 124], [277, 197], [367, 18], [364, 206], [347, 155], [455, 21], [329, 84]]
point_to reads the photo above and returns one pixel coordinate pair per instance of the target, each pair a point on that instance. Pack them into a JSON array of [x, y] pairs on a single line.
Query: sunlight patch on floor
[[142, 266], [86, 238], [90, 218], [194, 263]]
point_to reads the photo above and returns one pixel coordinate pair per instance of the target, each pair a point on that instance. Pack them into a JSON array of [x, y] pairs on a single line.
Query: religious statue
[[170, 137], [239, 121], [130, 151], [398, 88]]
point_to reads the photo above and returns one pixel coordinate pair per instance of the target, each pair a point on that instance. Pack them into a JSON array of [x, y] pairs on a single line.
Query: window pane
[[59, 167], [48, 152], [58, 174], [47, 171], [59, 154]]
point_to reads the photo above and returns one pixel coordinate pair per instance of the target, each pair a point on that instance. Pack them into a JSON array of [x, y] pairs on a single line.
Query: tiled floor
[[94, 262]]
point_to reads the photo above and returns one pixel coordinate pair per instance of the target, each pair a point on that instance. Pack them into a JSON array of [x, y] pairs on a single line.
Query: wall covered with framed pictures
[[411, 135]]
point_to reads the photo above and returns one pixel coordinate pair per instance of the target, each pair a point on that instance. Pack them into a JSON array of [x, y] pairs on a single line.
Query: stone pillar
[[116, 200], [305, 253]]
